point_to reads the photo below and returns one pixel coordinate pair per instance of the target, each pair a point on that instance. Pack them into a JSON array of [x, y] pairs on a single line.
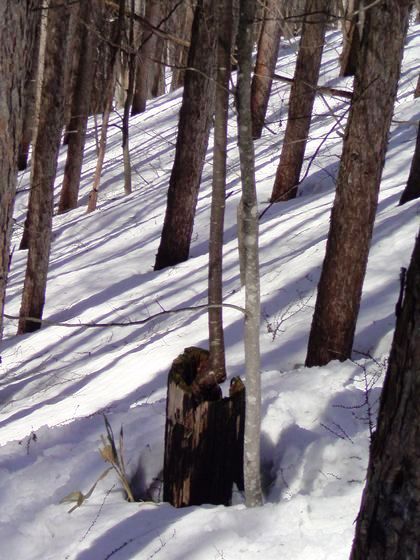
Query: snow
[[56, 384]]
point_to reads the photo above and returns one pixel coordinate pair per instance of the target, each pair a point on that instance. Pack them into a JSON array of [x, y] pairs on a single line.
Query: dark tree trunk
[[193, 133], [417, 90], [351, 39], [224, 50], [412, 189], [302, 96], [44, 166], [265, 66], [30, 96], [17, 32], [203, 435], [388, 524], [80, 106], [145, 59], [74, 45], [358, 182]]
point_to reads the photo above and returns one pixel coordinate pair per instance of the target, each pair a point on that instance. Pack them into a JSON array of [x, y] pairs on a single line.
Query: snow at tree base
[[57, 383]]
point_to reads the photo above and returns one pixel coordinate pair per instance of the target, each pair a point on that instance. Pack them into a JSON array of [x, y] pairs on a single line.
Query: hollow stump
[[204, 434]]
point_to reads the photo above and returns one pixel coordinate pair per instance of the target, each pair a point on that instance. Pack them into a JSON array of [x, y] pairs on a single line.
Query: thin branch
[[127, 323]]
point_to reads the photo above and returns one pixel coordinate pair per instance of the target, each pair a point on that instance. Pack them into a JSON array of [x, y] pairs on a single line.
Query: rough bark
[[412, 189], [30, 96], [44, 166], [253, 494], [203, 435], [193, 133], [351, 39], [362, 160], [17, 32], [145, 59], [388, 524], [302, 96], [265, 66], [80, 106]]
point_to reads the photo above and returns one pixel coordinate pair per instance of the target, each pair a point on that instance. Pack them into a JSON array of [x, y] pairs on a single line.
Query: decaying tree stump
[[204, 434]]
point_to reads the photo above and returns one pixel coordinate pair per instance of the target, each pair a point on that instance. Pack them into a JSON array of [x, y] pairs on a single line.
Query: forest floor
[[56, 384]]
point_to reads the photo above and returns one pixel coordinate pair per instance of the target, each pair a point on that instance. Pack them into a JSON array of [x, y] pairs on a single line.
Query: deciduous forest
[[209, 279]]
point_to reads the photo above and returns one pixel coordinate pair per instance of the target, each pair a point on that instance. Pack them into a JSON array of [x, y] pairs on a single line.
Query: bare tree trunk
[[108, 96], [17, 32], [131, 56], [74, 45], [417, 90], [80, 106], [193, 133], [388, 524], [253, 494], [412, 189], [302, 96], [224, 49], [30, 96], [182, 28], [358, 182], [351, 39], [265, 66], [44, 166], [145, 56]]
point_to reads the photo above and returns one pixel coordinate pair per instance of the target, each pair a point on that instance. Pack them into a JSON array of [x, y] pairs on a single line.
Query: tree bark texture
[[145, 59], [265, 66], [17, 32], [412, 189], [362, 161], [417, 90], [253, 493], [30, 95], [81, 100], [44, 166], [224, 50], [193, 133], [302, 96], [388, 524], [351, 39], [203, 434]]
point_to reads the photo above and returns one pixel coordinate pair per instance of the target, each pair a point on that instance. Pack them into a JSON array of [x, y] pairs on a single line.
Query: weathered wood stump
[[204, 434]]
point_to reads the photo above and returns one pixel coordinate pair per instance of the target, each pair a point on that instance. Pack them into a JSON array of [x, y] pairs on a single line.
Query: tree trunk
[[253, 494], [80, 107], [351, 39], [145, 56], [193, 133], [302, 96], [182, 28], [131, 64], [203, 435], [359, 178], [17, 32], [388, 524], [30, 96], [412, 189], [265, 66], [224, 49], [44, 166], [107, 97], [417, 90]]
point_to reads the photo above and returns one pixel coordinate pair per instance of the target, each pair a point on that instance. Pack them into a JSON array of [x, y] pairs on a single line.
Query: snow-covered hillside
[[56, 384]]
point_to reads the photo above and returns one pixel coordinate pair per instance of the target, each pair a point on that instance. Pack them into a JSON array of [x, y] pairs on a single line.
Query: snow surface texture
[[56, 384]]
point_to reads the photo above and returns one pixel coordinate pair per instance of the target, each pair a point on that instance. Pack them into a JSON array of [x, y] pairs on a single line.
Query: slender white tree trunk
[[253, 494]]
